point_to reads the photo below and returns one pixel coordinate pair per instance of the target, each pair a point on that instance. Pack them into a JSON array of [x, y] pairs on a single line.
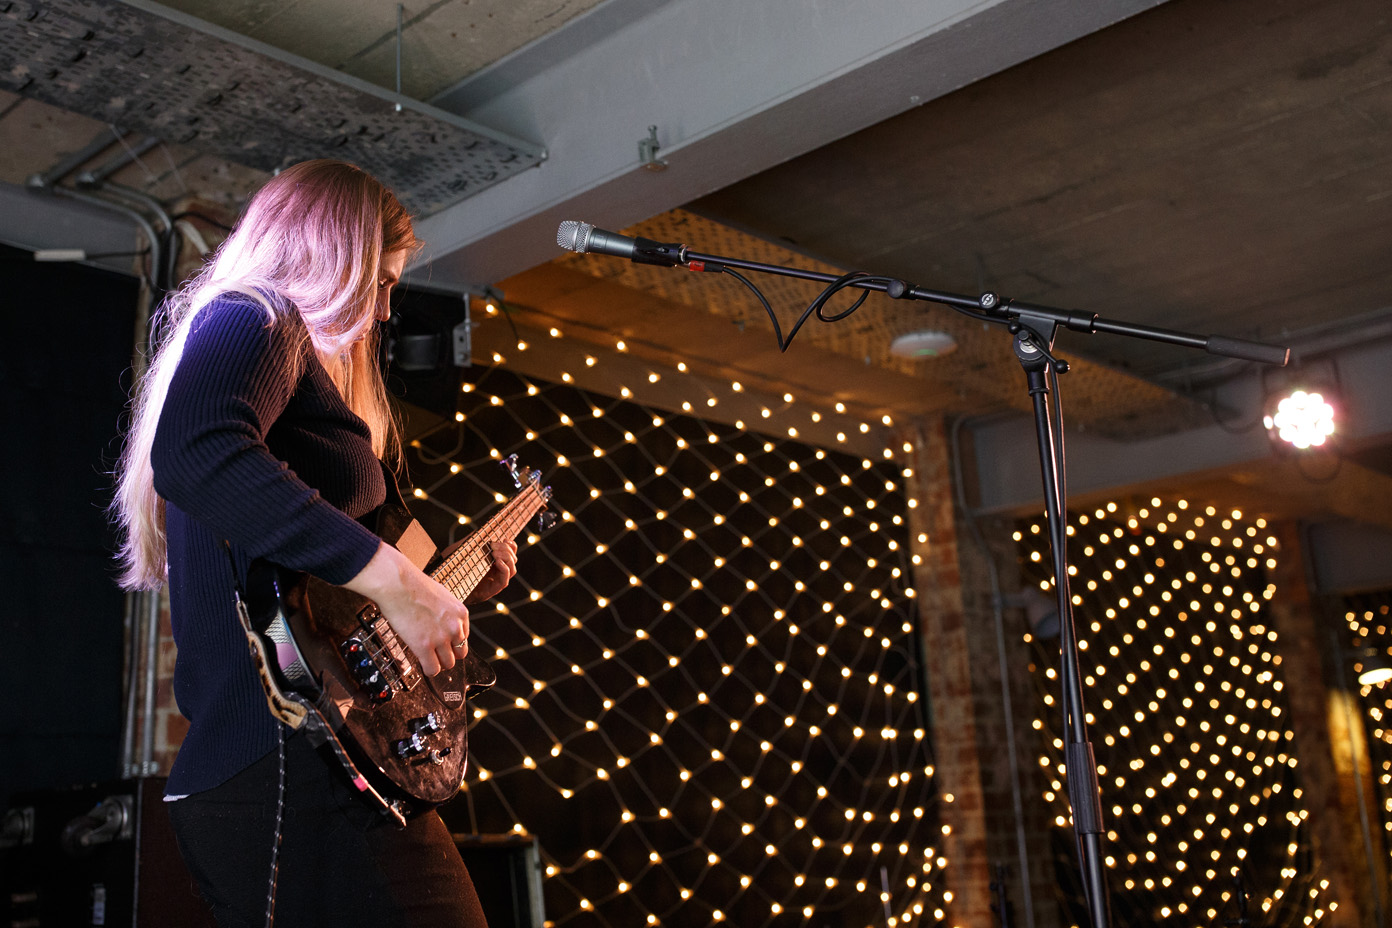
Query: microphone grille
[[574, 236]]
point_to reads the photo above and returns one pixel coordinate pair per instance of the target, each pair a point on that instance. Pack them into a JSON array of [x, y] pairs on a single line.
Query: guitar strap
[[393, 511], [396, 525], [296, 712]]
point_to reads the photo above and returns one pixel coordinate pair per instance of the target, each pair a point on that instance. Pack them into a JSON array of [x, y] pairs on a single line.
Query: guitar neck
[[471, 561]]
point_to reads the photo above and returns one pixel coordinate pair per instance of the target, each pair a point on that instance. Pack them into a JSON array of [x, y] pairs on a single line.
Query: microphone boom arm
[[583, 238], [989, 307]]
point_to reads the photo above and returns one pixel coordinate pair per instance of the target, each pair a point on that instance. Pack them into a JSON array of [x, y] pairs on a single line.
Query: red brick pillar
[[956, 742], [205, 225], [1327, 761], [170, 726], [966, 656]]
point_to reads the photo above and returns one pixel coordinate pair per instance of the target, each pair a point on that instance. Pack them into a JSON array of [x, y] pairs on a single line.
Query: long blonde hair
[[311, 241]]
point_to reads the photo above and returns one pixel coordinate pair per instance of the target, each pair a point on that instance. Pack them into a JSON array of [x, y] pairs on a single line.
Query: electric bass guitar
[[330, 662]]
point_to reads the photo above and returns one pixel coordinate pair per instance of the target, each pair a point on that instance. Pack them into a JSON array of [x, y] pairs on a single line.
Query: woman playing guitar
[[261, 427]]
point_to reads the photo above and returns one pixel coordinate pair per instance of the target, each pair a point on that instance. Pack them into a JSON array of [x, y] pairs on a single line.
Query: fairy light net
[[707, 705], [1367, 619], [1183, 690]]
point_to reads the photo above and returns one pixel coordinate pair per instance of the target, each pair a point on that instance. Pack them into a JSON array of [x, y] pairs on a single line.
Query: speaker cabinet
[[95, 855], [506, 870]]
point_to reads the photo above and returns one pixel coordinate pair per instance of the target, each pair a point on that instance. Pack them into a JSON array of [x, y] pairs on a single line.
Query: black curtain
[[64, 369]]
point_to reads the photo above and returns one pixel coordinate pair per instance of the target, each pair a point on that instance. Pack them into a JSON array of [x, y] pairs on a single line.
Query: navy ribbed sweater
[[279, 468]]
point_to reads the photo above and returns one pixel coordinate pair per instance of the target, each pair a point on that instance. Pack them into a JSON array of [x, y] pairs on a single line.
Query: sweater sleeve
[[210, 456]]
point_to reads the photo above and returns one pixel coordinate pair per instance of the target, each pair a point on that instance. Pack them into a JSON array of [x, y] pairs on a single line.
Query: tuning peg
[[509, 464], [545, 520]]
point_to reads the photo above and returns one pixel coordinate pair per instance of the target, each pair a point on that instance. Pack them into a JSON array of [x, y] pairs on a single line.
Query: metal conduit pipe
[[100, 143], [143, 608], [162, 277], [152, 628], [142, 316], [135, 608], [96, 176]]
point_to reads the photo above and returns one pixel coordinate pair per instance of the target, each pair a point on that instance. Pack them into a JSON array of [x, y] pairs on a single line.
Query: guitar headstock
[[522, 476]]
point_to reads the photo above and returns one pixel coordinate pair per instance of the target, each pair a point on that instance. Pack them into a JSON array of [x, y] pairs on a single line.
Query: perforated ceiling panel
[[146, 68]]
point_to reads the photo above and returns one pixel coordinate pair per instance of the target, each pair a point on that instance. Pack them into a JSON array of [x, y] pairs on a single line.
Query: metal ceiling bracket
[[647, 152], [400, 16]]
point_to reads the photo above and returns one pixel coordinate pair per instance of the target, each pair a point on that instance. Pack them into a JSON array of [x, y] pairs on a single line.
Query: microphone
[[584, 238]]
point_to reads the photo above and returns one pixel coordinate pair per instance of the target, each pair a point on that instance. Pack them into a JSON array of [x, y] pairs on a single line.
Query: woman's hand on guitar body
[[426, 616]]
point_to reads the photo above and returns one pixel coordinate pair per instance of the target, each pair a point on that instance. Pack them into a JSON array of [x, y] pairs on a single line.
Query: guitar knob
[[410, 747], [429, 723]]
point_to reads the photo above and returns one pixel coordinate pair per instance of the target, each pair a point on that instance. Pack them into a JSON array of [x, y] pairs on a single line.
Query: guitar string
[[475, 558], [378, 638], [472, 556], [490, 528]]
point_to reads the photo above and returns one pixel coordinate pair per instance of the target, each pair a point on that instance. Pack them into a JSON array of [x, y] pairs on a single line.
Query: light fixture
[[1299, 406], [1372, 667], [923, 344], [1303, 418]]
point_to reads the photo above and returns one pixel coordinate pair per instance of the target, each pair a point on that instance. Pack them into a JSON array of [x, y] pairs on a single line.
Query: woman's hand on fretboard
[[500, 573]]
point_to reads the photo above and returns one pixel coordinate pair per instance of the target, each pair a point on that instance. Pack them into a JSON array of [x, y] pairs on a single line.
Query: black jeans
[[342, 862]]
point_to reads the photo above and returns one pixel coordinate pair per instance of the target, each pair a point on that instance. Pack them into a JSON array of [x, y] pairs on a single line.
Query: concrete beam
[[733, 88], [1237, 451], [1348, 557]]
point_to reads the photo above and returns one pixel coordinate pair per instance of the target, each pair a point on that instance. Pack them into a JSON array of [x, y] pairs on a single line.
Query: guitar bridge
[[377, 658]]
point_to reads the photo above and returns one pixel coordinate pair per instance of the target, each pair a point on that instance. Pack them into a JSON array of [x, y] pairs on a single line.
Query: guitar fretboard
[[471, 561]]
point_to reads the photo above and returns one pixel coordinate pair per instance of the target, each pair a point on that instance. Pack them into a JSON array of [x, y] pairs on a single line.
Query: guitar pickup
[[363, 665]]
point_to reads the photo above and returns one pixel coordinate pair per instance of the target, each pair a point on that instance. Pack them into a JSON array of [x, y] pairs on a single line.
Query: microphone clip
[[662, 254]]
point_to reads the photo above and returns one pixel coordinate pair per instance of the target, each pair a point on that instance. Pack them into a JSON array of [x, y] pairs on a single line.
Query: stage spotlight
[[1302, 418]]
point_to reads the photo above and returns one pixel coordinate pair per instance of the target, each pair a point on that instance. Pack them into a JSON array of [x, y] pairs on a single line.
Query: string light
[[639, 626], [1367, 626], [1229, 801]]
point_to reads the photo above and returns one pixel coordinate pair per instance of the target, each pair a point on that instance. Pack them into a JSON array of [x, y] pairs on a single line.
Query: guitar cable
[[240, 600], [280, 816]]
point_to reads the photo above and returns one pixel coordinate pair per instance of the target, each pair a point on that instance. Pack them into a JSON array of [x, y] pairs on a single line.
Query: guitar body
[[407, 733], [327, 658]]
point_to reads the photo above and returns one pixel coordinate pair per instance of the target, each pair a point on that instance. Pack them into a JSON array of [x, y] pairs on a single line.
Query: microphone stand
[[1034, 328]]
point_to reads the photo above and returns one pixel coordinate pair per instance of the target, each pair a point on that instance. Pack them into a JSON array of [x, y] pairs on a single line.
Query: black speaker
[[95, 855], [506, 870]]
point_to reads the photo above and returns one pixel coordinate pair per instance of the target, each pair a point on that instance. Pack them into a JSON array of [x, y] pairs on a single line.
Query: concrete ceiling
[[1214, 168]]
